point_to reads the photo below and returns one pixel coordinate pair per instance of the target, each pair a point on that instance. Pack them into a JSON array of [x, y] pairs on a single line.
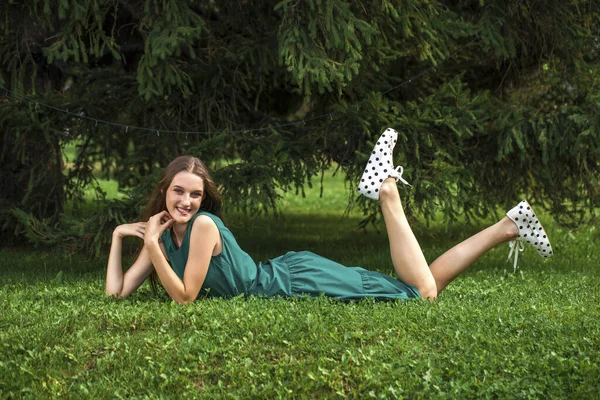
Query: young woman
[[192, 252]]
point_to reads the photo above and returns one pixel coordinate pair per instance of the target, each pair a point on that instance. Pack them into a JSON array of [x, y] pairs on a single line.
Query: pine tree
[[493, 100]]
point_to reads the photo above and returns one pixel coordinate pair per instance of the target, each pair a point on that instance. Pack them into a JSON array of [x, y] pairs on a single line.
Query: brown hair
[[157, 202], [211, 199]]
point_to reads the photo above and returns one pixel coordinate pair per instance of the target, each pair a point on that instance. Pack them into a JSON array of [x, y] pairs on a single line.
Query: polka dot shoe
[[530, 231], [380, 166]]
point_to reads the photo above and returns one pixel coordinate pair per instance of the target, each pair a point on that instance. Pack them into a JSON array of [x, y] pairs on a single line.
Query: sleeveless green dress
[[233, 272]]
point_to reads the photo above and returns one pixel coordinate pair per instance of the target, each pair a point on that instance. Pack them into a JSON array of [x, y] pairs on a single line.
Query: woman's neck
[[179, 232]]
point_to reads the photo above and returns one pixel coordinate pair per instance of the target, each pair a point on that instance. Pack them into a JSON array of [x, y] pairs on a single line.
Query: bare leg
[[450, 264], [407, 257]]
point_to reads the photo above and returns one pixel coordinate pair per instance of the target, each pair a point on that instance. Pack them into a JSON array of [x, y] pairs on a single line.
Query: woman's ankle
[[388, 190], [510, 230]]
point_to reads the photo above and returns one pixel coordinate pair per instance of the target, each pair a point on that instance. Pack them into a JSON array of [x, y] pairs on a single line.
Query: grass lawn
[[492, 333]]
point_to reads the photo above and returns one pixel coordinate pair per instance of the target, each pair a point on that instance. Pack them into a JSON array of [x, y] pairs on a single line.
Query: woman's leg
[[453, 262], [408, 258]]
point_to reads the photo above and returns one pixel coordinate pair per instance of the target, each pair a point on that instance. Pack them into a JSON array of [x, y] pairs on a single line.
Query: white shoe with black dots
[[531, 231], [380, 166]]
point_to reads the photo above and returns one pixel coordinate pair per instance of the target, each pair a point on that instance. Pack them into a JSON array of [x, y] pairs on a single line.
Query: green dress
[[233, 272]]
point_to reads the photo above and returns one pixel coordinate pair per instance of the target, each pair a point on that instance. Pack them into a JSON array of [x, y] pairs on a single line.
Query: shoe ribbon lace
[[398, 175], [519, 245]]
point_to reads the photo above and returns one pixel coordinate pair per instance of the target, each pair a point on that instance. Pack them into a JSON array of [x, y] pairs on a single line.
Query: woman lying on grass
[[191, 250]]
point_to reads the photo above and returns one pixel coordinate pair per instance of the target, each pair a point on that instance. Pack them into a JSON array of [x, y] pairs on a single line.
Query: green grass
[[492, 333]]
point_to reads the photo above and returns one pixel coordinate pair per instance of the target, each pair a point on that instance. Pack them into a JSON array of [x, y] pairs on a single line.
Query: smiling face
[[184, 196]]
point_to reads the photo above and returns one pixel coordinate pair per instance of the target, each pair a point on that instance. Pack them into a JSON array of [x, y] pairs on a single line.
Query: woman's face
[[184, 196]]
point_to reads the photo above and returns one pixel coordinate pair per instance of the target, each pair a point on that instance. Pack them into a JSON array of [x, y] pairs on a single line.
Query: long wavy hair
[[157, 202], [211, 198]]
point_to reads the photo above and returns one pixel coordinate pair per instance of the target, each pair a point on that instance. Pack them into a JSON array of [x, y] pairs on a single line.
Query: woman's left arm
[[203, 240]]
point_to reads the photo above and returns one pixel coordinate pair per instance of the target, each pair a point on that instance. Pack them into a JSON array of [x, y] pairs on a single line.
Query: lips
[[183, 211]]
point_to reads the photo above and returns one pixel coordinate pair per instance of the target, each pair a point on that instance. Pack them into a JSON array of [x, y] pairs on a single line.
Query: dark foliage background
[[511, 109]]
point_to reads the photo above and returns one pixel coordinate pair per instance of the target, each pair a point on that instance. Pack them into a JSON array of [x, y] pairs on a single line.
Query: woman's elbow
[[185, 299]]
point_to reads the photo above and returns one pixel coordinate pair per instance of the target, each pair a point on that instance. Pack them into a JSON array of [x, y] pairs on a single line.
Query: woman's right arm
[[117, 283]]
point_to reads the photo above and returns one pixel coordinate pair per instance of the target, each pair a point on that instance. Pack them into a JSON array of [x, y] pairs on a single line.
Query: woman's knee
[[428, 291]]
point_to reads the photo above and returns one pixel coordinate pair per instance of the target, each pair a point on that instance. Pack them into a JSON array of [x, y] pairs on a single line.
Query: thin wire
[[81, 115], [157, 131]]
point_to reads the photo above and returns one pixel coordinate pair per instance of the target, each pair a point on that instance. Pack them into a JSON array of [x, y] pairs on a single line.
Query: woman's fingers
[[157, 224], [134, 229], [160, 216], [167, 224], [165, 216]]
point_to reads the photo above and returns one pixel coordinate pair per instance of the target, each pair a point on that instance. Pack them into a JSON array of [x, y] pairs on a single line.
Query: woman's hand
[[156, 225], [117, 283], [136, 229]]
